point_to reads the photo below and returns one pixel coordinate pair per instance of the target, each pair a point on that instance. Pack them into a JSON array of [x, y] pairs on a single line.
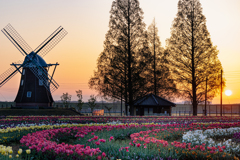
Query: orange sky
[[87, 24]]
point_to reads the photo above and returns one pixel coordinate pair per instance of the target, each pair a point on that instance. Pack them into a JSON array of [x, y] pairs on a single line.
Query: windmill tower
[[36, 84]]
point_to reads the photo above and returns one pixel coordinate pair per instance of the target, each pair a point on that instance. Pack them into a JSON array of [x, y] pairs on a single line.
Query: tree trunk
[[194, 102], [129, 66], [126, 87], [155, 81]]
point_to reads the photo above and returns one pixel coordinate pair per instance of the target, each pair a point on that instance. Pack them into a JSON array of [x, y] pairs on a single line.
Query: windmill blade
[[8, 74], [51, 41], [16, 40], [48, 82]]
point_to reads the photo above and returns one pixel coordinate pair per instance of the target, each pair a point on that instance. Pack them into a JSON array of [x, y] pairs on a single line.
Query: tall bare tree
[[92, 102], [161, 81], [193, 56], [66, 98], [80, 100], [121, 67]]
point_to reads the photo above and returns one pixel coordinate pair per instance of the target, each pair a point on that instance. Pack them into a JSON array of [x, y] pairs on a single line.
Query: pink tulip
[[111, 138], [102, 140], [103, 154], [97, 143]]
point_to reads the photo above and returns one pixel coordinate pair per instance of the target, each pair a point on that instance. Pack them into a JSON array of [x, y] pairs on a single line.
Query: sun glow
[[228, 92]]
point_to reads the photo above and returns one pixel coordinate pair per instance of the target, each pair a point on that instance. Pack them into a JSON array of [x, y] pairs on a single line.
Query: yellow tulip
[[10, 156], [20, 151], [28, 151], [3, 151], [17, 155]]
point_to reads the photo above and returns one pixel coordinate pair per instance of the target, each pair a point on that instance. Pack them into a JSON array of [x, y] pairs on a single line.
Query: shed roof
[[153, 100]]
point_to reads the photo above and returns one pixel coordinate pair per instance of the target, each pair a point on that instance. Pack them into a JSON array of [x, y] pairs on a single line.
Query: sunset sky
[[86, 22]]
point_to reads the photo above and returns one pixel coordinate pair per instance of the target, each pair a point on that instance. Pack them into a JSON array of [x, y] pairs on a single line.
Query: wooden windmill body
[[31, 92]]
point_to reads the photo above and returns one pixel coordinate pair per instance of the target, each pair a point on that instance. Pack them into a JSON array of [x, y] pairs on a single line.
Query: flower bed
[[131, 141], [161, 140]]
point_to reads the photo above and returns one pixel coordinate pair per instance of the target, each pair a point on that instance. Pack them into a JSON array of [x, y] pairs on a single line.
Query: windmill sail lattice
[[5, 75], [51, 41], [17, 40]]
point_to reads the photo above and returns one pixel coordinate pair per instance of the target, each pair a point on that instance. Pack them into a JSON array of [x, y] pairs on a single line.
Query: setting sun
[[228, 92]]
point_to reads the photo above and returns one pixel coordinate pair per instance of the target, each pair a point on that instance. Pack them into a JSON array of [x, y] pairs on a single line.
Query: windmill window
[[40, 82], [22, 82], [23, 72], [29, 94]]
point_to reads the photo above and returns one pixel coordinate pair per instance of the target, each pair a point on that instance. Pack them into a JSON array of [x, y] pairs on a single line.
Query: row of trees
[[66, 99], [133, 63]]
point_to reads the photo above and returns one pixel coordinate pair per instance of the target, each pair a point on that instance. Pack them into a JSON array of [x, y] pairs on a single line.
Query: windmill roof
[[37, 58], [153, 100]]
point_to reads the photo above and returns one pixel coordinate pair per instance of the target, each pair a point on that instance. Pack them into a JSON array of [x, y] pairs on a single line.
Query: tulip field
[[125, 138]]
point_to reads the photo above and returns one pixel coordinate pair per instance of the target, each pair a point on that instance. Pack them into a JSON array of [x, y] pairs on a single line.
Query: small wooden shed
[[152, 104]]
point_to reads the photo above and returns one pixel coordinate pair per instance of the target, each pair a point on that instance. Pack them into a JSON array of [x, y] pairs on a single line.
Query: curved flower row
[[50, 126], [198, 137], [42, 140], [63, 125], [16, 120], [154, 136], [15, 134], [195, 143]]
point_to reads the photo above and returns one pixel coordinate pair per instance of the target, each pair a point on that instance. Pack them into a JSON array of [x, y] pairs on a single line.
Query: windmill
[[36, 85]]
